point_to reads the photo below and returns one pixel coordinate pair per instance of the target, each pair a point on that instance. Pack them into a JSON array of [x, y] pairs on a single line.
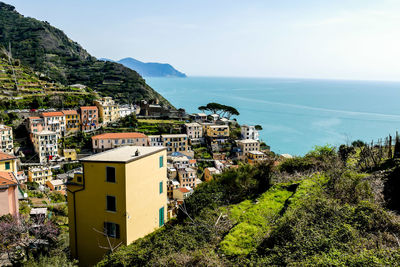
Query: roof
[[173, 135], [45, 132], [119, 136], [211, 169], [192, 161], [7, 179], [52, 114], [70, 112], [35, 211], [34, 118], [123, 154], [183, 190], [4, 127], [5, 156], [256, 152], [192, 124], [69, 150], [56, 182], [88, 107], [175, 182], [247, 141], [218, 126], [200, 114]]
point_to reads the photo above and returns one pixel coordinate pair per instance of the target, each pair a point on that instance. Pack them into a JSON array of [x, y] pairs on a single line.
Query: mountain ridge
[[48, 50], [149, 69]]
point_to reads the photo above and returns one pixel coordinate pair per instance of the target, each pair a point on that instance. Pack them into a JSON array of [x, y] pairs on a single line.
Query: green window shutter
[[161, 161], [7, 165], [161, 217], [161, 187]]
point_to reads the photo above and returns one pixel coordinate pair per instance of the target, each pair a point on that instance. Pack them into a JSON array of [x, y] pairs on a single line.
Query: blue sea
[[296, 114]]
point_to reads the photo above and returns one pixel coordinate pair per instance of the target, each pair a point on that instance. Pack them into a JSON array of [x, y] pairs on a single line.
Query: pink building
[[107, 141], [35, 124], [89, 118], [8, 194]]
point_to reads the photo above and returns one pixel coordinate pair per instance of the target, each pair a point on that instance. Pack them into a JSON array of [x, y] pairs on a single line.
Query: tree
[[258, 127], [221, 110]]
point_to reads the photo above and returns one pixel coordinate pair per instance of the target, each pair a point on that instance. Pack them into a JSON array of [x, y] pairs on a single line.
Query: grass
[[151, 121], [254, 221]]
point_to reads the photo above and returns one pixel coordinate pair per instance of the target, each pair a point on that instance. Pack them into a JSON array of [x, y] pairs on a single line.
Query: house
[[21, 177], [214, 117], [89, 118], [255, 156], [194, 132], [45, 144], [187, 177], [173, 143], [198, 117], [8, 193], [120, 196], [40, 174], [56, 185], [209, 172], [246, 146], [8, 163], [181, 193], [72, 120], [54, 122], [171, 185], [249, 132], [6, 136], [70, 154], [128, 110], [218, 131], [108, 109], [108, 141], [35, 124]]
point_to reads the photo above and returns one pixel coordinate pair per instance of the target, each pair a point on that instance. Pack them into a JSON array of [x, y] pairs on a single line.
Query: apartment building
[[108, 141], [8, 185], [54, 122], [89, 118], [173, 143], [218, 131], [194, 132], [249, 132], [40, 174], [187, 177], [56, 185], [247, 146], [121, 196], [108, 109], [45, 144], [35, 124], [6, 136], [255, 156], [72, 120]]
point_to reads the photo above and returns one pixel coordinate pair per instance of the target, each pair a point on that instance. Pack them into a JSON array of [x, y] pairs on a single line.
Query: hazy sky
[[347, 39]]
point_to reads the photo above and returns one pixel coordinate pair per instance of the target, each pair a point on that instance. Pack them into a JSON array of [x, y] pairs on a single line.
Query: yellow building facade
[[72, 120], [40, 174], [216, 131], [120, 196], [108, 109], [8, 163]]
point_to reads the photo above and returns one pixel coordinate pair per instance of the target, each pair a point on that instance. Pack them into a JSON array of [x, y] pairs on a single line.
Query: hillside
[[150, 69], [49, 51], [36, 91], [328, 208]]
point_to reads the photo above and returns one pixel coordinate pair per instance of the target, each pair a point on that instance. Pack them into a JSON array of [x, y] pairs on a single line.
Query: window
[[110, 174], [161, 187], [111, 229], [161, 217], [111, 203], [79, 179], [161, 161], [7, 165]]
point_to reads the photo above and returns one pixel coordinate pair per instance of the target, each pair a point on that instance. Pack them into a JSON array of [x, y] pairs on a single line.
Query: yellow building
[[120, 197], [8, 163], [255, 156], [40, 174], [70, 154], [72, 121], [218, 131], [108, 109]]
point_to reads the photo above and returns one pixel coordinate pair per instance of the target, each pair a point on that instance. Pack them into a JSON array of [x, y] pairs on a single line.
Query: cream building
[[6, 135], [249, 132], [108, 109], [54, 122], [247, 146], [121, 196], [108, 141], [173, 143], [194, 132], [45, 144]]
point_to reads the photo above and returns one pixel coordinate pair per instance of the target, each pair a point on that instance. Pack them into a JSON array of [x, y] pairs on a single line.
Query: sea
[[296, 114]]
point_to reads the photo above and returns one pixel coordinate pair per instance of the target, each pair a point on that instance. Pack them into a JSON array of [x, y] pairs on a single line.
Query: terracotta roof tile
[[183, 190], [52, 114], [34, 118], [7, 179], [119, 136], [5, 156], [89, 107], [70, 112]]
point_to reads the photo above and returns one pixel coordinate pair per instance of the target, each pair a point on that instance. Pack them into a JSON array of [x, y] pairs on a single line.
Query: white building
[[127, 110], [54, 121], [194, 132], [249, 132], [45, 144], [6, 135]]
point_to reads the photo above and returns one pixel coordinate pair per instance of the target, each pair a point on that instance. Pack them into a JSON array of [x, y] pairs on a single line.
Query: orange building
[[89, 118]]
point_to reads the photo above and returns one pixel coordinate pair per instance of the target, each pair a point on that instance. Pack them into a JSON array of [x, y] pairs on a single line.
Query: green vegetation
[[221, 110], [311, 210], [50, 52]]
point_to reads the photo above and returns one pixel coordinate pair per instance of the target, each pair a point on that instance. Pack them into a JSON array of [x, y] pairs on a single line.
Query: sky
[[341, 39]]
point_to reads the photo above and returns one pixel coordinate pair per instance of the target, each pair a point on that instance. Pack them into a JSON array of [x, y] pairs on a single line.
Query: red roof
[[119, 136], [89, 107], [7, 179], [192, 161], [52, 114], [184, 190], [5, 156], [34, 118], [70, 112]]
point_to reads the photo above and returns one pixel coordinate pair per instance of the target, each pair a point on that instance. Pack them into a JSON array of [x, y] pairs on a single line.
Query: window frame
[[109, 180], [115, 203]]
